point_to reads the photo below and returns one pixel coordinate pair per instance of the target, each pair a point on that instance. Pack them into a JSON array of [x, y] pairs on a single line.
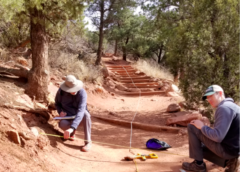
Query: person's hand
[[67, 133], [62, 114], [197, 123]]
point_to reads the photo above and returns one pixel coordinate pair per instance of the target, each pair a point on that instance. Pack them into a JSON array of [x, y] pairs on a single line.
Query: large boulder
[[185, 119], [105, 72], [121, 87], [172, 94], [13, 136], [173, 108]]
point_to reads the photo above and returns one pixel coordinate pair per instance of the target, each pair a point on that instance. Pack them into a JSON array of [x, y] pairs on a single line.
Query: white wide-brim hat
[[71, 84]]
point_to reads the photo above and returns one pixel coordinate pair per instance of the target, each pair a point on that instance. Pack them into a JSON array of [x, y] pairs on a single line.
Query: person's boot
[[72, 136], [233, 165], [87, 146], [193, 166]]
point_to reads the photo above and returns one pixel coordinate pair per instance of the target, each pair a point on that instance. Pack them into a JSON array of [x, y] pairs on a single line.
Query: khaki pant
[[65, 124]]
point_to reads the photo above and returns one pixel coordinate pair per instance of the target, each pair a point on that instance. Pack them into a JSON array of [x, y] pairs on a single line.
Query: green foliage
[[14, 32], [205, 47], [16, 18], [103, 14]]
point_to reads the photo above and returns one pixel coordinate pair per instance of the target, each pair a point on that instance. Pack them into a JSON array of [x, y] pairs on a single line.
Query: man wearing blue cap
[[223, 139]]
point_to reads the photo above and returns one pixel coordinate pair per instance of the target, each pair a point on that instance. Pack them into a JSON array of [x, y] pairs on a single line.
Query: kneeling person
[[222, 139], [71, 100]]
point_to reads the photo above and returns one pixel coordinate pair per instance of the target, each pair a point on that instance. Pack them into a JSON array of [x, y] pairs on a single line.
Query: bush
[[152, 68], [83, 69], [4, 55]]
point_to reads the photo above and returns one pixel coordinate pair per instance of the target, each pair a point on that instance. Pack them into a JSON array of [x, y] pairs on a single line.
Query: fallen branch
[[138, 125]]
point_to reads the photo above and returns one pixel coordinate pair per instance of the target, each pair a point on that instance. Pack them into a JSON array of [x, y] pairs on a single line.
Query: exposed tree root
[[21, 72], [135, 125], [43, 112]]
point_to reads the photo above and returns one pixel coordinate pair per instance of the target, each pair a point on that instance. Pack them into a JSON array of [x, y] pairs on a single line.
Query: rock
[[42, 142], [160, 84], [13, 136], [114, 58], [114, 78], [99, 89], [173, 108], [174, 88], [105, 72], [40, 105], [138, 73], [52, 89], [13, 125], [182, 132], [110, 83], [25, 136], [172, 94], [22, 61], [121, 87], [137, 90], [51, 101], [184, 119], [26, 100], [166, 87], [113, 113], [34, 131], [183, 105]]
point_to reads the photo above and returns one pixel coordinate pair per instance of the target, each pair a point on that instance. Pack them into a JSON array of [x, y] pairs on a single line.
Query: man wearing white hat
[[71, 100], [223, 139]]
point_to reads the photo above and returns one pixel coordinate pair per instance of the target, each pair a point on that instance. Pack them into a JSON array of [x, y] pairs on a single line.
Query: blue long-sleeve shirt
[[226, 127], [72, 105]]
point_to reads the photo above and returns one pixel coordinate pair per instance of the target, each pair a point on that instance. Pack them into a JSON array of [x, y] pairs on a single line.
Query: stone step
[[141, 86], [129, 74], [117, 66], [143, 93], [120, 68], [134, 77], [136, 80], [124, 71]]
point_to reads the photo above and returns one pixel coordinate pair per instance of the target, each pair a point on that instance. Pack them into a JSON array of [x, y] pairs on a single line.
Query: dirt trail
[[111, 142]]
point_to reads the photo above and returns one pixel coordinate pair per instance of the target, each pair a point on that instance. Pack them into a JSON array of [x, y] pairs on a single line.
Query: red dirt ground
[[111, 142]]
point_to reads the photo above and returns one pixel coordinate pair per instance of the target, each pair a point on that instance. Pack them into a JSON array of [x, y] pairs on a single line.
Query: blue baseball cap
[[211, 90]]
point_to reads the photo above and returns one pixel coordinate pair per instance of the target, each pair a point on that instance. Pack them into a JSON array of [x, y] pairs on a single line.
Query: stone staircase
[[131, 81]]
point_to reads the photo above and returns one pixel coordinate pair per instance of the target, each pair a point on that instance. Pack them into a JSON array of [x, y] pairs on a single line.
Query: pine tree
[[46, 18], [102, 14]]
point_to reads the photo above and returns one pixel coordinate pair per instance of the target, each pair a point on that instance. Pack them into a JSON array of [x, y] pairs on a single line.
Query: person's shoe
[[193, 166], [233, 165], [87, 147], [72, 136]]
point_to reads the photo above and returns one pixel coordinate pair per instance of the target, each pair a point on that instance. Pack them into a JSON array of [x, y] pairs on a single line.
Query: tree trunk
[[160, 54], [38, 77], [125, 50], [116, 48], [99, 51]]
